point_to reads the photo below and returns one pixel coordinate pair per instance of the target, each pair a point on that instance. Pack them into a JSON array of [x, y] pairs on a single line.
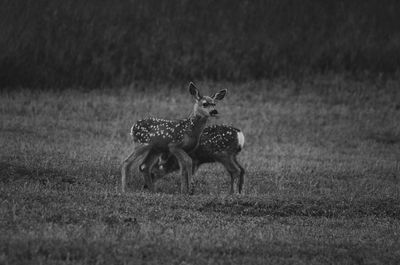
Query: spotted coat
[[217, 143], [218, 138], [162, 131], [213, 139]]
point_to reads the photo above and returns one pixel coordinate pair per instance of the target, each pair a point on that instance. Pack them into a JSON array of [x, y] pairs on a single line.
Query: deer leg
[[233, 169], [166, 163], [195, 166], [185, 165], [136, 152], [241, 176]]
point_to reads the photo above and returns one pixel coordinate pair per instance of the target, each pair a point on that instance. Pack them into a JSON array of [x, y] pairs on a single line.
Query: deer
[[153, 137], [218, 143]]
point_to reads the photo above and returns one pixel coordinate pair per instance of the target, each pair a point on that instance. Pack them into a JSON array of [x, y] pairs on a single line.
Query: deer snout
[[214, 112]]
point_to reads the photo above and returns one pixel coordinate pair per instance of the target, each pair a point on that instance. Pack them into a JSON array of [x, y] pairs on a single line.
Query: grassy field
[[322, 160]]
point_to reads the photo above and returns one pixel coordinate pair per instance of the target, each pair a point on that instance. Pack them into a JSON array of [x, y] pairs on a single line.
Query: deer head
[[204, 105]]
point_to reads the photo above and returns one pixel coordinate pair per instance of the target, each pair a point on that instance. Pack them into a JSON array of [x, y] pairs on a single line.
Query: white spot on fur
[[240, 137]]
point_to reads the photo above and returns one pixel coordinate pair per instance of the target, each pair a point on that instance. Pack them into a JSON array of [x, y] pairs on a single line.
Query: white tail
[[240, 137]]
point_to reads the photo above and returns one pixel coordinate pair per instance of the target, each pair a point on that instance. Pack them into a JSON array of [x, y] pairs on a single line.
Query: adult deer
[[218, 143], [177, 137]]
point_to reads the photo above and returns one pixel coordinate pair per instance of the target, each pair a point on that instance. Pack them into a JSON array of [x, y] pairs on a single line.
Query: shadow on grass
[[84, 251], [11, 173], [57, 178], [307, 207], [56, 250], [386, 137]]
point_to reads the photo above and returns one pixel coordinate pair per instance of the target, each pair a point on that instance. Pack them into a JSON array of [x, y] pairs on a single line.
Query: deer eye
[[206, 104]]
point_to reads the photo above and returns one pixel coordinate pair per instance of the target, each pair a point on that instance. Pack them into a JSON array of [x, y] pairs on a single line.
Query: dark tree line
[[47, 43]]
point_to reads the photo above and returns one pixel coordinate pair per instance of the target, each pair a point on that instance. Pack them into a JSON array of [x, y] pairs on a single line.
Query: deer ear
[[194, 91], [219, 95]]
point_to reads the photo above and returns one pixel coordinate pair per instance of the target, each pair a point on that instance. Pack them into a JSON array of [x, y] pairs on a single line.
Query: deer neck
[[198, 123]]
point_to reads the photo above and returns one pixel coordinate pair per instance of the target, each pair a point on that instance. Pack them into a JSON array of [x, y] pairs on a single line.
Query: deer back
[[160, 132]]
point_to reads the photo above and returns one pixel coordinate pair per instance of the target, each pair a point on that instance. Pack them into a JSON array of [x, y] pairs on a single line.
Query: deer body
[[161, 132], [218, 143], [176, 137]]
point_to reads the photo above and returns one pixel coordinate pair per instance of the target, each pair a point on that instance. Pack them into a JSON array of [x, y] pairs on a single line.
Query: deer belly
[[162, 139]]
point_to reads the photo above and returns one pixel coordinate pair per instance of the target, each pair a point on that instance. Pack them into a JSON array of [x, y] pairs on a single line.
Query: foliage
[[47, 43]]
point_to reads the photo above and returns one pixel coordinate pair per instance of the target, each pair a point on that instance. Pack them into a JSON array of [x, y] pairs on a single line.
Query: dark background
[[93, 43]]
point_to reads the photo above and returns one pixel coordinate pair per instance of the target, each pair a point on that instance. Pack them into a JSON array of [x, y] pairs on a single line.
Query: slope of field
[[322, 177]]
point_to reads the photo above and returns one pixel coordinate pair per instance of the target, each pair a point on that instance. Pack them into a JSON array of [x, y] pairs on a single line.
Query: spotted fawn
[[218, 143], [177, 137]]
